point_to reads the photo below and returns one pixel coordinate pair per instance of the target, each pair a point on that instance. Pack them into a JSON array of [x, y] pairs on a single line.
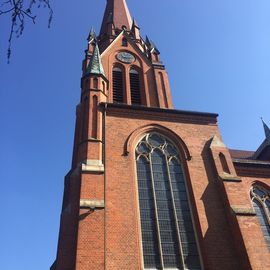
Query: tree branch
[[20, 11]]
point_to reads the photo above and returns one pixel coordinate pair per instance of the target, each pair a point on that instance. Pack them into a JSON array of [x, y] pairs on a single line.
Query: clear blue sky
[[217, 53]]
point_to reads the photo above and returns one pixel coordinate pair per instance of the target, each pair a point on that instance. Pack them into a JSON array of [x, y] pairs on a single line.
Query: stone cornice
[[169, 115]]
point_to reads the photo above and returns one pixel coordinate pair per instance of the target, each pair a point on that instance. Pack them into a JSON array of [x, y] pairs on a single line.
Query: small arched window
[[94, 117], [124, 42], [224, 163], [261, 203], [163, 89], [168, 236], [95, 83], [118, 87], [135, 87]]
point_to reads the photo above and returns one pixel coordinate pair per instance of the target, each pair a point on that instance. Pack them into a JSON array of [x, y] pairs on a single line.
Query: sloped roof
[[261, 154], [241, 154], [95, 65]]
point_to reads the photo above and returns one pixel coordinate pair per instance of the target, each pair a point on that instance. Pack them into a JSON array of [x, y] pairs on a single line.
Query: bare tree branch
[[20, 11]]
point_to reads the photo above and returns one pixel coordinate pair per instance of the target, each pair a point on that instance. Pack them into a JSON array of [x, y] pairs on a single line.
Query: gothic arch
[[257, 183], [137, 134], [135, 67], [260, 198], [163, 88], [118, 93], [224, 163], [160, 160], [136, 85], [120, 66]]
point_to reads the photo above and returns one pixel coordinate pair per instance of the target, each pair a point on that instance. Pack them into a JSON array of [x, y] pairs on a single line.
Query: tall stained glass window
[[168, 237], [261, 203]]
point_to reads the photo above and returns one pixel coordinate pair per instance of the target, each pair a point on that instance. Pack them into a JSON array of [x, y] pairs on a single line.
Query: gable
[[116, 46]]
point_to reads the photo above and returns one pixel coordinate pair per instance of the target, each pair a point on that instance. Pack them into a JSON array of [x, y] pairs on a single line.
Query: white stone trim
[[92, 165], [92, 203]]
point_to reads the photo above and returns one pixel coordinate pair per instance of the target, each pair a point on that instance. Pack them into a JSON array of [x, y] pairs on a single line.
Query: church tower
[[150, 187]]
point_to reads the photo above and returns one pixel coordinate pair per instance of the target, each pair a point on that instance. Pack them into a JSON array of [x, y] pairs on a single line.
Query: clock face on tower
[[125, 57]]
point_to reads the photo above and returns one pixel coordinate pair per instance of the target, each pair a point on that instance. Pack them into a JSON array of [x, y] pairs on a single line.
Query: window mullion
[[266, 211], [175, 216], [264, 207], [156, 214]]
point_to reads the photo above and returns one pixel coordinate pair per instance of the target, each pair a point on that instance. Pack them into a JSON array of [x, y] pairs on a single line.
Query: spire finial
[[92, 34], [95, 65], [135, 24], [266, 129], [151, 45]]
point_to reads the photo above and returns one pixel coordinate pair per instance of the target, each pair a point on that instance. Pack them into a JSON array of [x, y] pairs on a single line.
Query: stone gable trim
[[94, 166], [243, 211], [91, 203], [230, 178]]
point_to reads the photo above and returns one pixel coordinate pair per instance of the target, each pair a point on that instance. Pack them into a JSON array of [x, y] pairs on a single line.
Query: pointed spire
[[95, 65], [92, 35], [136, 30], [147, 41], [116, 12], [151, 45], [266, 130], [135, 24]]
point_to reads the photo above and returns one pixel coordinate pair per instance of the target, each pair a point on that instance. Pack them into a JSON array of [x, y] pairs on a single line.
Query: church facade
[[153, 187]]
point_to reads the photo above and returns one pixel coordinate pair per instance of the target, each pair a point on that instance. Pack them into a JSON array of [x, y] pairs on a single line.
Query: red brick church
[[153, 187]]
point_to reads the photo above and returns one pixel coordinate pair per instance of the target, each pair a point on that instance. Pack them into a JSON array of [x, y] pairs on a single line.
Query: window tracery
[[168, 236], [261, 203]]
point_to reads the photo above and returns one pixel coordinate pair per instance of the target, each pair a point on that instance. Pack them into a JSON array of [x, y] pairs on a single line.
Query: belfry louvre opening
[[118, 88], [135, 90], [168, 236]]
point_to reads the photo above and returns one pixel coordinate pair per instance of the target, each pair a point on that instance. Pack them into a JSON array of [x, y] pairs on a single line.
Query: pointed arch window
[[163, 89], [135, 89], [261, 203], [118, 87], [95, 83], [124, 42], [224, 163], [168, 236]]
